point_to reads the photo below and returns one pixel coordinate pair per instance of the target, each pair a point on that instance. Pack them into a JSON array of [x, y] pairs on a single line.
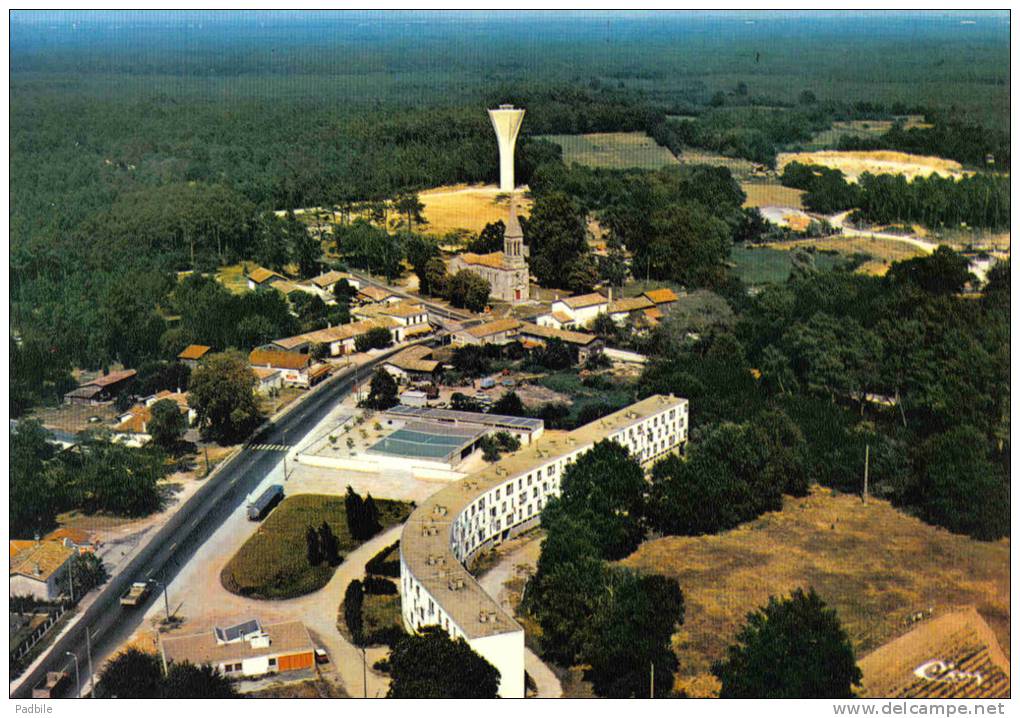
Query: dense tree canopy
[[432, 665], [222, 392]]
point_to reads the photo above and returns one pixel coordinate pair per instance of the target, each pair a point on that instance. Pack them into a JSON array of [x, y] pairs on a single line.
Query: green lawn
[[613, 150], [272, 563], [764, 265]]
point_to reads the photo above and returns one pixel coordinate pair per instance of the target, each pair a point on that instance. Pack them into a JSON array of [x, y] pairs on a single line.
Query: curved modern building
[[453, 525]]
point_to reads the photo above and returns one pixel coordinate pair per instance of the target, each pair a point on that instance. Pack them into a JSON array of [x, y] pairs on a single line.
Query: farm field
[[765, 265], [613, 150], [883, 252], [875, 565], [467, 207], [271, 564], [854, 164], [771, 194], [829, 139], [740, 168]]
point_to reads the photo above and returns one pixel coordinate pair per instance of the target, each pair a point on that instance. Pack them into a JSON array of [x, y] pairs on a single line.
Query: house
[[341, 339], [243, 650], [663, 297], [267, 379], [582, 345], [581, 309], [193, 354], [102, 389], [412, 320], [375, 295], [498, 331], [327, 282], [133, 425], [622, 309], [557, 320], [40, 569], [288, 288], [297, 369], [413, 364], [261, 277]]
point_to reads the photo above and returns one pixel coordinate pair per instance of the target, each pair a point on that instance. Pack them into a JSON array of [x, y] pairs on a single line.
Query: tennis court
[[418, 440]]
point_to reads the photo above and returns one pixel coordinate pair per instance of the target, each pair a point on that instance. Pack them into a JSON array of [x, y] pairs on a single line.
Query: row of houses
[[322, 286], [509, 329], [580, 310]]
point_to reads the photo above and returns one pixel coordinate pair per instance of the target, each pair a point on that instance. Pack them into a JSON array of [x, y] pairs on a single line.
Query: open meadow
[[467, 207], [771, 194], [875, 565], [613, 150], [882, 252]]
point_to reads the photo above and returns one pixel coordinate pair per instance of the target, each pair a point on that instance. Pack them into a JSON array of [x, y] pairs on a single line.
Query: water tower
[[507, 123]]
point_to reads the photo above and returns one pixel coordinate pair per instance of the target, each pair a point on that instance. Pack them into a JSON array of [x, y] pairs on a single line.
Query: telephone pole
[[867, 456], [88, 653], [651, 687]]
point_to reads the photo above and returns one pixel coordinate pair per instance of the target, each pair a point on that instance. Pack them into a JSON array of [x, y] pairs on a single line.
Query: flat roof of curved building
[[425, 540]]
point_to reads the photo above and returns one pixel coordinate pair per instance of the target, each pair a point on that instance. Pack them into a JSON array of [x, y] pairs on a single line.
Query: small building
[[80, 540], [622, 309], [582, 345], [296, 368], [376, 295], [193, 354], [413, 364], [557, 320], [663, 297], [288, 288], [133, 425], [244, 650], [581, 309], [414, 397], [267, 379], [102, 389], [262, 277], [327, 281], [341, 339], [498, 331], [403, 312], [39, 569]]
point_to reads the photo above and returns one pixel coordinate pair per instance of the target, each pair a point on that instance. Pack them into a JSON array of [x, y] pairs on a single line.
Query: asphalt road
[[108, 622]]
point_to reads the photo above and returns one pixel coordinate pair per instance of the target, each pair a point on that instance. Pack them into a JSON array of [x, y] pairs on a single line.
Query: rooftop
[[113, 377], [662, 295], [469, 417], [403, 308], [537, 330], [278, 359], [425, 540], [202, 648], [328, 278], [376, 294], [493, 260], [630, 304], [194, 351], [414, 359], [46, 556], [261, 274], [494, 327], [584, 300]]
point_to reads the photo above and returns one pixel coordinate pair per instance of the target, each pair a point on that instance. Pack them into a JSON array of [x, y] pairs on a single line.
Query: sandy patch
[[854, 164]]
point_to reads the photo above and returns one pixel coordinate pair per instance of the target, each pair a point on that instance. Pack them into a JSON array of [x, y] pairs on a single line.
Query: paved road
[[108, 622]]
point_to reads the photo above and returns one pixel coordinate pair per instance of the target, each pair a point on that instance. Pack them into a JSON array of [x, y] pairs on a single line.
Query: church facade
[[506, 271]]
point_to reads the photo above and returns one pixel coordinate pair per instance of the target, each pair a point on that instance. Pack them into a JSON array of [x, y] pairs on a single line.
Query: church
[[506, 271]]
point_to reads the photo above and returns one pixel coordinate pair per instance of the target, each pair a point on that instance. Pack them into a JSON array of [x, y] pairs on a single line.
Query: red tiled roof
[[113, 377], [194, 351], [278, 359]]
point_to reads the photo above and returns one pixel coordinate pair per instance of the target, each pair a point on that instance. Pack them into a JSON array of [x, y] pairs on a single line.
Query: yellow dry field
[[883, 252], [739, 167], [873, 564], [467, 207], [854, 164], [771, 194]]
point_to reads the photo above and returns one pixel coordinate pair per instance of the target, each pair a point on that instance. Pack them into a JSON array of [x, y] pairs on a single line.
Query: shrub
[[382, 565], [378, 586]]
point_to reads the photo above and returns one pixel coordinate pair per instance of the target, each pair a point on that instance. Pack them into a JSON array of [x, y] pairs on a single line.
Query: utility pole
[[166, 600], [651, 687], [88, 652], [76, 677], [364, 671], [867, 456]]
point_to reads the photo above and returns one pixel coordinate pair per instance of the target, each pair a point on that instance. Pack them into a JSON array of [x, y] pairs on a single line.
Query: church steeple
[[513, 239]]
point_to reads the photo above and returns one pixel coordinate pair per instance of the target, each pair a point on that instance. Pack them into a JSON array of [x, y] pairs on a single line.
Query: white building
[[244, 650], [39, 569], [453, 525]]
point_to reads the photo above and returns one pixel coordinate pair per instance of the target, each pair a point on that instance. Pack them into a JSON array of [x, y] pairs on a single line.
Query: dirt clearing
[[875, 565], [467, 207], [854, 164], [773, 194]]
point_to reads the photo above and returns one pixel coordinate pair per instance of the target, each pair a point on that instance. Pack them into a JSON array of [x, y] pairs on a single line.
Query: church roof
[[493, 260]]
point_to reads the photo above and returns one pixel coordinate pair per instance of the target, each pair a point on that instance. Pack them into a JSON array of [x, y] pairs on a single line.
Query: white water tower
[[507, 123]]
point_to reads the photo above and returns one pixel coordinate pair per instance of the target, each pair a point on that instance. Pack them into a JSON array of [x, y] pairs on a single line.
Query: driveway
[[494, 584]]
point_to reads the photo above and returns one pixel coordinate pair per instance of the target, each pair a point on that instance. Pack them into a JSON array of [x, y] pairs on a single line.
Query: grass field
[[771, 194], [740, 168], [467, 207], [378, 613], [864, 129], [272, 563], [873, 564], [765, 265], [883, 252], [613, 150]]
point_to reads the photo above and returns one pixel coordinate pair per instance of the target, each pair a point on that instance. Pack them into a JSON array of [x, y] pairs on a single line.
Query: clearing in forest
[[771, 194], [467, 207], [854, 164], [613, 150], [877, 567], [882, 252]]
